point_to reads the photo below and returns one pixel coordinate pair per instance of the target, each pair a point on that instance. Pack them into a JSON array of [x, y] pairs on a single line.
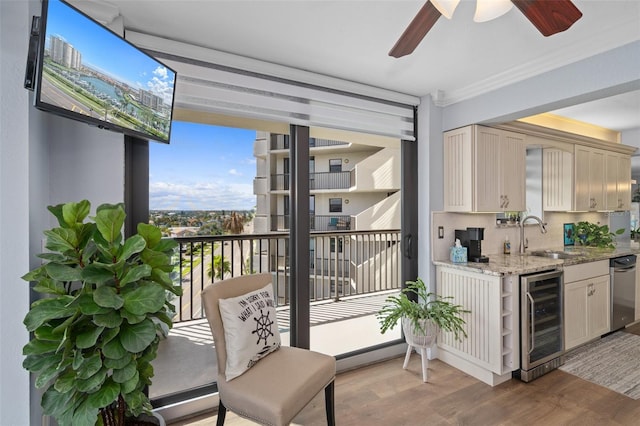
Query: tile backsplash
[[494, 235]]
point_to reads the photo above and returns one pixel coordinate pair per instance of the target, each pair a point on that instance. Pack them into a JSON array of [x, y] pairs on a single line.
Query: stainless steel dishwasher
[[622, 271]]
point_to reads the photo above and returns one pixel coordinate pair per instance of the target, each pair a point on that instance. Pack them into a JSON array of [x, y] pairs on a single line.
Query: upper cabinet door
[[458, 168], [484, 170]]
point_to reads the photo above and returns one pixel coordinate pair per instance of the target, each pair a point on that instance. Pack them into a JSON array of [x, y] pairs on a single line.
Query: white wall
[[44, 160], [14, 211]]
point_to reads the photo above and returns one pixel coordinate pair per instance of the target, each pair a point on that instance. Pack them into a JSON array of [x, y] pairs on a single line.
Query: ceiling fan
[[548, 16]]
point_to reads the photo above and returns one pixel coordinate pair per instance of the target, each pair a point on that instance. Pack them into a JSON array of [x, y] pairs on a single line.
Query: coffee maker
[[471, 238]]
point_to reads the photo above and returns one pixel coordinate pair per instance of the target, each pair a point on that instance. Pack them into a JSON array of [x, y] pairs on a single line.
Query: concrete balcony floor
[[187, 358]]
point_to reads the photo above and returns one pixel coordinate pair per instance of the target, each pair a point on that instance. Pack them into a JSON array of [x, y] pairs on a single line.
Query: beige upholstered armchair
[[280, 381]]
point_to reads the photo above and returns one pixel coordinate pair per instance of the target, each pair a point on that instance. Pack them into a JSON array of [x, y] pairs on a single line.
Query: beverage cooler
[[541, 324]]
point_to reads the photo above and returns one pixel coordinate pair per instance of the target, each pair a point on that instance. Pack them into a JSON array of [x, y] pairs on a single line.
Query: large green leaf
[[97, 273], [89, 366], [131, 384], [132, 318], [47, 309], [63, 272], [93, 382], [85, 414], [47, 375], [88, 338], [134, 244], [37, 347], [54, 403], [155, 259], [135, 338], [74, 213], [118, 363], [145, 299], [109, 335], [111, 319], [165, 245], [66, 381], [109, 219], [107, 297], [135, 274], [114, 349], [45, 332], [127, 372], [150, 233], [60, 240], [49, 286], [88, 306], [38, 362], [107, 394]]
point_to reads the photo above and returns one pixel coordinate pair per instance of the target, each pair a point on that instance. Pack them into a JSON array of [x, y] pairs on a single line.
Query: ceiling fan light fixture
[[446, 7], [487, 10]]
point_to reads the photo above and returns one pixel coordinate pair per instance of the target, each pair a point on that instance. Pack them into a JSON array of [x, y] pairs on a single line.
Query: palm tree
[[234, 224], [220, 265]]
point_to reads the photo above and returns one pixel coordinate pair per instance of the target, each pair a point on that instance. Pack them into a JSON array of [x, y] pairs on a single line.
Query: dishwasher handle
[[624, 269]]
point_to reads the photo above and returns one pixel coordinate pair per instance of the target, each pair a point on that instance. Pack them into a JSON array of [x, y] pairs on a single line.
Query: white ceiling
[[350, 39]]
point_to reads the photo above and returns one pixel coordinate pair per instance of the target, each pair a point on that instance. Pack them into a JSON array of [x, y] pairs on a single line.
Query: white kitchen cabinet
[[557, 180], [589, 180], [491, 350], [586, 302], [484, 170], [618, 181]]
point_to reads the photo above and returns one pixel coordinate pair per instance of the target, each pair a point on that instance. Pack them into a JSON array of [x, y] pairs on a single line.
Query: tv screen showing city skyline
[[89, 73]]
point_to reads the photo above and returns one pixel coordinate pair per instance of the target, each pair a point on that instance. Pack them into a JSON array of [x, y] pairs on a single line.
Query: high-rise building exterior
[[353, 187], [64, 53]]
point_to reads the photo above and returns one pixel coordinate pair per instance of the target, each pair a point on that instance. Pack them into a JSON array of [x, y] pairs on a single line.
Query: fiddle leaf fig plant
[[592, 234], [105, 308]]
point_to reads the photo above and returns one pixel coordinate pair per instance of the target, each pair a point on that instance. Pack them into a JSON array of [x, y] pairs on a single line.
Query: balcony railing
[[320, 180], [316, 222], [342, 264], [282, 142]]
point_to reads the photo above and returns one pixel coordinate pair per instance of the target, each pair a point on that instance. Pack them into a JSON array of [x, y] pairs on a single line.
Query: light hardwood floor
[[385, 394]]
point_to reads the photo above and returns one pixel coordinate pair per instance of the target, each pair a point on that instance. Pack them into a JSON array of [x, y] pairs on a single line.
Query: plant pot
[[422, 336]]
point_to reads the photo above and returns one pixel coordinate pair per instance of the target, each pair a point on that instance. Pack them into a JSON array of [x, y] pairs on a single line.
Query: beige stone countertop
[[517, 264]]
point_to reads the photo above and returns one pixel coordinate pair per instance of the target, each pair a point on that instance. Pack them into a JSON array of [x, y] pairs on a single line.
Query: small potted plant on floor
[[422, 314], [106, 306]]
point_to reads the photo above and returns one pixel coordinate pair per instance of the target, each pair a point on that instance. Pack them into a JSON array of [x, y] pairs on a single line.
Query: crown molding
[[604, 40]]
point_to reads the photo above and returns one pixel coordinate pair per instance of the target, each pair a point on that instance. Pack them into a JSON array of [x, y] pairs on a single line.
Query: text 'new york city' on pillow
[[250, 329]]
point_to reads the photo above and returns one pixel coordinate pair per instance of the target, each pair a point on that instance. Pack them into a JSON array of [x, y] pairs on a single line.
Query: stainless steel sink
[[555, 254]]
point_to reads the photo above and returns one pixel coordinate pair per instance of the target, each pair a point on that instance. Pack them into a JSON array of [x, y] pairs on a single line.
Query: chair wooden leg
[[222, 412], [329, 405]]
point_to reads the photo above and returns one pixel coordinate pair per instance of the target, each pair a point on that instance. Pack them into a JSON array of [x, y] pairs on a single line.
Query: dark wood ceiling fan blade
[[549, 16], [415, 32]]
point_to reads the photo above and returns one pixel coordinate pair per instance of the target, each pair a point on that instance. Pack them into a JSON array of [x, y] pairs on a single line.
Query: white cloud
[[235, 172], [201, 196]]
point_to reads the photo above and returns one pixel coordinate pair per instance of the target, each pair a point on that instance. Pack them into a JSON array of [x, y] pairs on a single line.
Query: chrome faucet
[[543, 230]]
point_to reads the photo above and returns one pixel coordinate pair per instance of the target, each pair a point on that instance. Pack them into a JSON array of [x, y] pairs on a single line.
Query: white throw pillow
[[250, 329]]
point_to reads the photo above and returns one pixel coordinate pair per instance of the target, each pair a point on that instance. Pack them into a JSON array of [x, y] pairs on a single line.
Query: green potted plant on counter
[[594, 235], [105, 310]]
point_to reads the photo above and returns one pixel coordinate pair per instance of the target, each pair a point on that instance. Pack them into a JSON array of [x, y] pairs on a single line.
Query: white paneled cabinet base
[[491, 350], [586, 302]]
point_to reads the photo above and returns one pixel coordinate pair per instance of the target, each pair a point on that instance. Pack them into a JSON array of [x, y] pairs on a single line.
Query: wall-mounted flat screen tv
[[87, 72]]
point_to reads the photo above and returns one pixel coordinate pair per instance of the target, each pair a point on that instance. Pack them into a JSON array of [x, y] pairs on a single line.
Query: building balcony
[[317, 181], [350, 274]]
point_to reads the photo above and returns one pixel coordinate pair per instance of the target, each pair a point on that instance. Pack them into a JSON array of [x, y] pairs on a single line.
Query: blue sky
[[203, 168], [103, 50]]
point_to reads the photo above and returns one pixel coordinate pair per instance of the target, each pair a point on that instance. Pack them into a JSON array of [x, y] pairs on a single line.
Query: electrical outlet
[[440, 232]]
